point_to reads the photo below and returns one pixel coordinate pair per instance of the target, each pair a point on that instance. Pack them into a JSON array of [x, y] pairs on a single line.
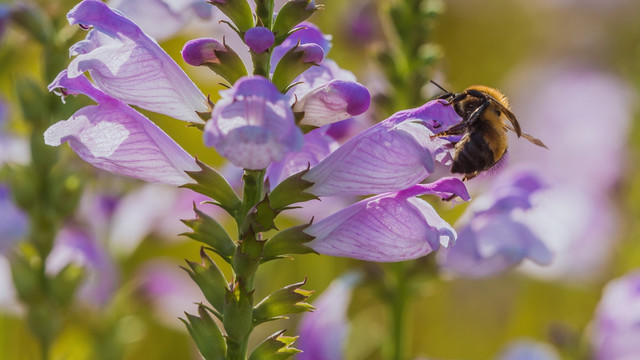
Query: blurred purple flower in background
[[491, 238], [252, 124], [528, 350], [583, 115], [388, 227], [14, 223], [114, 137], [161, 19], [324, 332], [80, 247], [615, 329]]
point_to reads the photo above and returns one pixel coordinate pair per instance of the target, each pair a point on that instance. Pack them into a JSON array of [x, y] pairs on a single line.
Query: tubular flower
[[325, 93], [128, 65], [323, 333], [252, 125], [616, 335], [114, 137], [389, 227], [389, 156], [493, 240]]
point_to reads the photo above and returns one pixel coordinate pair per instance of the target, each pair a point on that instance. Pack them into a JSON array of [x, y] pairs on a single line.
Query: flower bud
[[259, 39], [334, 101], [217, 56]]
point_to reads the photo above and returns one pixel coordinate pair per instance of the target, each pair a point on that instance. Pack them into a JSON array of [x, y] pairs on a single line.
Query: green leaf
[[286, 242], [288, 300], [206, 335], [275, 347], [208, 231], [290, 191], [210, 280], [210, 183]]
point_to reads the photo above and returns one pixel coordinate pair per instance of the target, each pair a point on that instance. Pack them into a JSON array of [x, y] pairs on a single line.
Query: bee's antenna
[[440, 87]]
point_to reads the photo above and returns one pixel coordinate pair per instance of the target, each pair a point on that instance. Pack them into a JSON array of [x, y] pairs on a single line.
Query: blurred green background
[[476, 42]]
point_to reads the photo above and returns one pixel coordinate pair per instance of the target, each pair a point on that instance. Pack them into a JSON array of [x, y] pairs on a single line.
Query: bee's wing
[[534, 140]]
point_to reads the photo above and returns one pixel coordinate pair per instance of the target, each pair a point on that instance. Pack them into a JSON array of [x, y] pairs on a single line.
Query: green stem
[[238, 320], [399, 296]]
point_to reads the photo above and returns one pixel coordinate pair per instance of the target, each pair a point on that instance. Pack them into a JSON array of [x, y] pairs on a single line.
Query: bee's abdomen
[[473, 154]]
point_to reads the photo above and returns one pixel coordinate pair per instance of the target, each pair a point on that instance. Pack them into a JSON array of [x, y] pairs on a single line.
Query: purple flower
[[389, 227], [336, 100], [326, 93], [114, 137], [161, 19], [74, 245], [616, 335], [389, 156], [528, 350], [169, 290], [128, 65], [323, 333], [201, 51], [317, 145], [252, 124], [492, 239], [13, 222], [259, 39]]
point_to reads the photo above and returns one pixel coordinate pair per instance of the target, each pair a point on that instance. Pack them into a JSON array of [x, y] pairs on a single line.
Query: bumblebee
[[486, 118]]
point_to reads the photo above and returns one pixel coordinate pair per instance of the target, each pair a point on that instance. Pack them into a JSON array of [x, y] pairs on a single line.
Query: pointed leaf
[[208, 231], [275, 347], [206, 335], [290, 191], [288, 300], [210, 280], [286, 242], [214, 185]]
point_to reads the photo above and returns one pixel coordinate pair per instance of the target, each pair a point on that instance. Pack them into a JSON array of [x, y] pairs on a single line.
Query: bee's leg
[[454, 98], [469, 176], [456, 129], [475, 115], [450, 198]]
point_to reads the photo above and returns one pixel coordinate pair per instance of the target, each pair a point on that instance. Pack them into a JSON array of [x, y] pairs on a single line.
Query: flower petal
[[114, 137], [334, 101], [130, 66]]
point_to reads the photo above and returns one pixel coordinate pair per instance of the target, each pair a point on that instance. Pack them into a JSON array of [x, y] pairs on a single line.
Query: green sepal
[[26, 279], [230, 66], [289, 241], [210, 183], [290, 191], [237, 318], [210, 280], [208, 231], [33, 101], [291, 14], [248, 254], [238, 12], [262, 216], [288, 300], [275, 347], [264, 12], [206, 334], [65, 284], [289, 67]]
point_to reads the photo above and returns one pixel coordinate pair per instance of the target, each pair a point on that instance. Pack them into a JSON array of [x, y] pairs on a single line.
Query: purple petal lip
[[252, 124], [114, 137], [127, 64], [307, 34], [198, 52], [334, 101], [388, 227], [311, 53], [259, 39]]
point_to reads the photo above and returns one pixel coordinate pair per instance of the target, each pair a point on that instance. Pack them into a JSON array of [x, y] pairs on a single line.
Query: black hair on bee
[[486, 118]]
